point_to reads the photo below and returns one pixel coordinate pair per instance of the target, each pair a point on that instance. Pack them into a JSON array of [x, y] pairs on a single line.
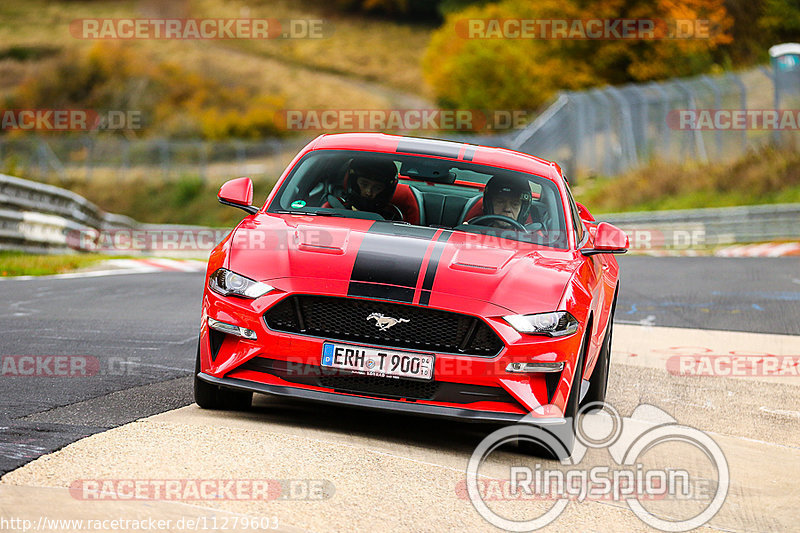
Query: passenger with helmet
[[369, 185], [509, 197]]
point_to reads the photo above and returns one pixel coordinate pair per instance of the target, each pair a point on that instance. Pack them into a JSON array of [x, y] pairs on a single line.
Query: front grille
[[345, 319]]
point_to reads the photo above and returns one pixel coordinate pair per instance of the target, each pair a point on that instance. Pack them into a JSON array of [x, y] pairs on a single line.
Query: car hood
[[410, 264]]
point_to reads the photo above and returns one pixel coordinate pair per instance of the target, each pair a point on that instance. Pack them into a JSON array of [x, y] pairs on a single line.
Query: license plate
[[377, 361]]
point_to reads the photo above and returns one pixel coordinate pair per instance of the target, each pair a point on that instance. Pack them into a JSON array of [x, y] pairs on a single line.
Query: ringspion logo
[[695, 481]]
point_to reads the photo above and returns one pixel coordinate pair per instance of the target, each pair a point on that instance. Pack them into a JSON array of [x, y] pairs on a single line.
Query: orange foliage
[[523, 73]]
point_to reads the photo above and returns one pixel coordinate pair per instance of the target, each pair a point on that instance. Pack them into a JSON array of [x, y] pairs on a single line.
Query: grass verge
[[764, 176], [188, 200], [24, 264]]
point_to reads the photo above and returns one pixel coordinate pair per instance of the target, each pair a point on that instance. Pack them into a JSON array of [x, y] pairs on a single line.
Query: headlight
[[557, 324], [229, 283]]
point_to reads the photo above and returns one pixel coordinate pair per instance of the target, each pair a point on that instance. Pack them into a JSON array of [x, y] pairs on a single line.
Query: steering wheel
[[498, 218], [398, 215], [338, 203], [335, 202]]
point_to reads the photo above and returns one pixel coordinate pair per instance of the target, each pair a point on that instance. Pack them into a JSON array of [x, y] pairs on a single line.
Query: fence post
[[606, 122], [663, 121], [203, 161], [626, 137], [639, 127], [578, 119], [88, 142], [717, 105], [126, 156], [742, 102], [241, 157], [699, 145], [163, 153]]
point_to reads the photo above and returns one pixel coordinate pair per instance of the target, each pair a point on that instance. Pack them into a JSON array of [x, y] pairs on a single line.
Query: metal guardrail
[[697, 228], [39, 217], [109, 158]]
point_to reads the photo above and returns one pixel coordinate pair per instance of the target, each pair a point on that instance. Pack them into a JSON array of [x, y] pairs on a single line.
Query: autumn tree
[[491, 72]]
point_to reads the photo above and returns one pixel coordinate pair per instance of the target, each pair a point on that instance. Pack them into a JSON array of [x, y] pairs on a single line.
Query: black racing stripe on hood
[[433, 266], [387, 267]]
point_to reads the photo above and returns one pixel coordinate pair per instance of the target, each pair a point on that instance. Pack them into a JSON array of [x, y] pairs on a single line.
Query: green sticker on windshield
[[297, 204]]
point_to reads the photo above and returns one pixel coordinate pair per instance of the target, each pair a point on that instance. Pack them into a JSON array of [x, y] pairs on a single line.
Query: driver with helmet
[[509, 197], [369, 185]]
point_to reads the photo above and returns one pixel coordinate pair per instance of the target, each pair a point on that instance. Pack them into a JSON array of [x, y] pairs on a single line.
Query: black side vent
[[215, 340]]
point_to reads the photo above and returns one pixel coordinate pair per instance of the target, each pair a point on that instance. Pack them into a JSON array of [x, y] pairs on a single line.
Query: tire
[[598, 383], [209, 396], [566, 432]]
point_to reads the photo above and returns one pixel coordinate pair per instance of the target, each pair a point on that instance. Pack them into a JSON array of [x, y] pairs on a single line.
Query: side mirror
[[583, 212], [608, 240], [238, 193]]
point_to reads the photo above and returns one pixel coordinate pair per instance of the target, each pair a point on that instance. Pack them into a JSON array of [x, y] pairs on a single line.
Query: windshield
[[425, 191]]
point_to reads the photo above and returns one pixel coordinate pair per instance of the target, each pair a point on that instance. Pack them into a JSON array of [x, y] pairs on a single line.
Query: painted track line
[[125, 266]]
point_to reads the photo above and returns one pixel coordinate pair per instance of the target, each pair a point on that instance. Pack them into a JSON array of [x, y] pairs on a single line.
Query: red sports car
[[412, 275]]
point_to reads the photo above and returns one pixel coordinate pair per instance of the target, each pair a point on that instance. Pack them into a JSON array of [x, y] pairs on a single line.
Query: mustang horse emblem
[[385, 322]]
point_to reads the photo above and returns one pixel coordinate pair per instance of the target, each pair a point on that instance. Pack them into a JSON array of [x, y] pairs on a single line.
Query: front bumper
[[237, 362], [336, 398]]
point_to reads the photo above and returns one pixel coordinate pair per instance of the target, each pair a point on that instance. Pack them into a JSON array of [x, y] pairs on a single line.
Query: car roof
[[481, 155]]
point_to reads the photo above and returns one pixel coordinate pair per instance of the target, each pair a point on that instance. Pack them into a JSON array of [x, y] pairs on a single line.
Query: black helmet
[[511, 186], [380, 170]]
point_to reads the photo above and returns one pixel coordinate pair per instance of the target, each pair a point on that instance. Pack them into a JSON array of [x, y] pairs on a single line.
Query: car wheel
[[209, 396], [564, 433], [598, 383]]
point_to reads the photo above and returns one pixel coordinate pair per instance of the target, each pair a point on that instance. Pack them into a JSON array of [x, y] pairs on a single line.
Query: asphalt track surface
[[142, 331]]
